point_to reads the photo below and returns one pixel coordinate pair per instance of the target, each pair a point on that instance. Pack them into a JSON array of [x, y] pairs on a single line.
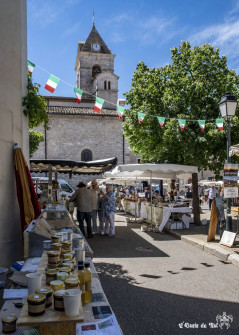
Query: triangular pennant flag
[[201, 124], [219, 123], [141, 117], [161, 121], [98, 105], [120, 111], [51, 84], [30, 67], [182, 124], [78, 93]]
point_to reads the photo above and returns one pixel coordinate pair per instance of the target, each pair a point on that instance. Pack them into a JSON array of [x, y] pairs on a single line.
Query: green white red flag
[[121, 111], [98, 105], [141, 117], [182, 124], [219, 123], [201, 124], [161, 121], [51, 84], [30, 67], [78, 93]]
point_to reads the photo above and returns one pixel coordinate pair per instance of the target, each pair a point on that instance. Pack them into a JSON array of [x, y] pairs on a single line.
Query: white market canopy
[[154, 171], [234, 150]]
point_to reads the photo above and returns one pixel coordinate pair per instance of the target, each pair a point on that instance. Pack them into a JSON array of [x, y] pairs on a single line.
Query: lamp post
[[228, 106]]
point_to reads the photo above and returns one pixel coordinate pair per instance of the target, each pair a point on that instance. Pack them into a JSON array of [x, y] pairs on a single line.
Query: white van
[[65, 188]]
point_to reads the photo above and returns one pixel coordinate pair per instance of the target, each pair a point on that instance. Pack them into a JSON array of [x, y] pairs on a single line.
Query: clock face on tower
[[96, 47]]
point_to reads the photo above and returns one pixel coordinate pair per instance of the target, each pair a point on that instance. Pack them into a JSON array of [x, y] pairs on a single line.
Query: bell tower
[[95, 69]]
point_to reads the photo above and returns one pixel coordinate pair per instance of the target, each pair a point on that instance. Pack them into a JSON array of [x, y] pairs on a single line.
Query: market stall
[[156, 213]]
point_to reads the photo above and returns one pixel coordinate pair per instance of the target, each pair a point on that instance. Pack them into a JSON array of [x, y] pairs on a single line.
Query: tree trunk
[[196, 207]]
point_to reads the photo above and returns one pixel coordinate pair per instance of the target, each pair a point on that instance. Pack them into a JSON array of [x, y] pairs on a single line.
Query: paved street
[[155, 282]]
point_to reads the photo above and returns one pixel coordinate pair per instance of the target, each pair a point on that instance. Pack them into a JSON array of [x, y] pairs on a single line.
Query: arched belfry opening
[[96, 69]]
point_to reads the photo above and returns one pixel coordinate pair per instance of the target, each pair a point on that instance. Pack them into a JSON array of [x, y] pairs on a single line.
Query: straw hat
[[94, 182]]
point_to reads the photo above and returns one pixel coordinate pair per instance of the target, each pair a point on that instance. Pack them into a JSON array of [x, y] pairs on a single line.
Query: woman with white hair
[[109, 210]]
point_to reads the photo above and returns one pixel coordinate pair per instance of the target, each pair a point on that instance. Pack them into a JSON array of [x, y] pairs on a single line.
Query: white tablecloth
[[167, 212]]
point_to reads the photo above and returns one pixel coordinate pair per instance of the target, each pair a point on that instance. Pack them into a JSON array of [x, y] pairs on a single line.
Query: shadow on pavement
[[143, 311], [125, 244]]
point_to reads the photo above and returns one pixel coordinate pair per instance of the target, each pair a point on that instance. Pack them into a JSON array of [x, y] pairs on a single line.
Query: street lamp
[[228, 106]]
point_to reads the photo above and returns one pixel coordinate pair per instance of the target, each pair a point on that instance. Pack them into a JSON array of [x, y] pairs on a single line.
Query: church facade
[[77, 132]]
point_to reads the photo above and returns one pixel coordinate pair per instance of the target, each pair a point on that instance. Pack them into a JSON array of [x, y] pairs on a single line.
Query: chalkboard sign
[[220, 214]]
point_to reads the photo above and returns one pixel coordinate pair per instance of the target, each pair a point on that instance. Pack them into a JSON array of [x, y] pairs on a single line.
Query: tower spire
[[93, 18]]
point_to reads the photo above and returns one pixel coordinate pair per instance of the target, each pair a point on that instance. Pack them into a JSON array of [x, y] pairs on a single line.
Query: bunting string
[[53, 82]]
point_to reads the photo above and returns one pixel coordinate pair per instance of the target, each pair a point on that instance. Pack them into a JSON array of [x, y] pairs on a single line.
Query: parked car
[[65, 188]]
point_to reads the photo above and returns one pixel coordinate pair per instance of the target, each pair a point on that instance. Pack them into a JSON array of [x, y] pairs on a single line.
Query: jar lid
[[55, 244], [87, 264], [71, 281], [59, 293], [65, 269], [55, 236], [53, 253], [44, 290], [36, 298], [9, 318], [81, 266], [66, 242]]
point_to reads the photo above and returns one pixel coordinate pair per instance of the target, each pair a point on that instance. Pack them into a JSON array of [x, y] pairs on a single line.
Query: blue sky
[[134, 30]]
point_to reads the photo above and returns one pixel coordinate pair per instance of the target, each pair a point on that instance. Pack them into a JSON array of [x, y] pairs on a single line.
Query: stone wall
[[13, 125]]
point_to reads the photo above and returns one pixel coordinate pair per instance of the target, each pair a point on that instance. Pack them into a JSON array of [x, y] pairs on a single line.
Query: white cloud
[[224, 36], [150, 30], [128, 26]]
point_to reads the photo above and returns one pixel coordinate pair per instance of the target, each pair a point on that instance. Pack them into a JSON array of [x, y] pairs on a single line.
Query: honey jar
[[71, 283], [53, 257], [65, 269], [67, 246], [55, 238], [56, 246], [36, 304], [9, 324], [48, 293], [58, 300]]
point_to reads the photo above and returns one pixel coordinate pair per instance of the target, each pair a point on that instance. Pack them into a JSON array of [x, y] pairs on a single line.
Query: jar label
[[36, 308]]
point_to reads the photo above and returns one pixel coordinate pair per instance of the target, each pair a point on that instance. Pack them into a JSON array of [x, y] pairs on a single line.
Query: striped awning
[[73, 167]]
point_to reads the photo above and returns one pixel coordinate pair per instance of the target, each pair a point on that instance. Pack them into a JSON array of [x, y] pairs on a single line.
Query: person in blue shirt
[[109, 210]]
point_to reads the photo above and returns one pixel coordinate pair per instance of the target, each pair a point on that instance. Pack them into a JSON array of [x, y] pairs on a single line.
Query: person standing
[[109, 210], [95, 201], [83, 204], [211, 195]]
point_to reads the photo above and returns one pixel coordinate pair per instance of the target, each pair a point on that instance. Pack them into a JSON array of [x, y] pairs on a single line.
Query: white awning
[[234, 150], [155, 171]]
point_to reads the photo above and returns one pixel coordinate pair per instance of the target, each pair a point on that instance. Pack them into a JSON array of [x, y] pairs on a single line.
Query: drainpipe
[[123, 119]]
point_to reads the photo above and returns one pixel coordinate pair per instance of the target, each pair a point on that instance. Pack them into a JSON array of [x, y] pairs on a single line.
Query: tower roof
[[94, 37]]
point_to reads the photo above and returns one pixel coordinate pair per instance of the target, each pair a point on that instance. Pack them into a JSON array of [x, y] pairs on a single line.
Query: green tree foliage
[[35, 137], [190, 88], [35, 108]]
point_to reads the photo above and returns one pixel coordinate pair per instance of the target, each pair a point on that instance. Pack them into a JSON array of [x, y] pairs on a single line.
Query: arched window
[[105, 85], [86, 155], [108, 85], [96, 69]]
